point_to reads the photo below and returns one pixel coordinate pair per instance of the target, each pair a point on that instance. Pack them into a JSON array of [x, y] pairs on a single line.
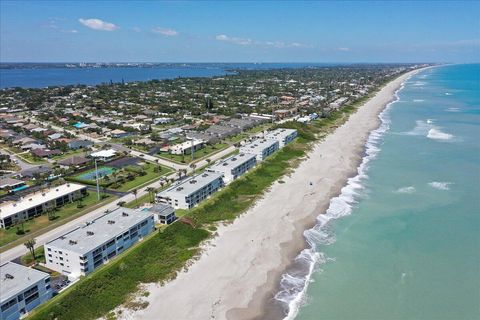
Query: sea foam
[[437, 134], [440, 185], [294, 283], [410, 189]]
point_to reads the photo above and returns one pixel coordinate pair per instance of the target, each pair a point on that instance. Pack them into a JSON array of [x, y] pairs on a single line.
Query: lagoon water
[[56, 76], [407, 243]]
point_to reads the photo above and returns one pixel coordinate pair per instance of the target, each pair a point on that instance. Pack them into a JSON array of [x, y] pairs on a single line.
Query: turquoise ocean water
[[402, 241]]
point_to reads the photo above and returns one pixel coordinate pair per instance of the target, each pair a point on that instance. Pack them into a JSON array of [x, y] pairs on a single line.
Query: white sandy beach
[[240, 269]]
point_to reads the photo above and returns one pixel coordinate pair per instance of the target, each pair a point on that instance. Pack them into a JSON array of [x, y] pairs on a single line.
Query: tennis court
[[90, 175]]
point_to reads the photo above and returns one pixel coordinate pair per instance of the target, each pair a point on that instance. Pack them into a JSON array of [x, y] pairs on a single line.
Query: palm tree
[[51, 214], [135, 192], [21, 226], [151, 191], [193, 166], [30, 244]]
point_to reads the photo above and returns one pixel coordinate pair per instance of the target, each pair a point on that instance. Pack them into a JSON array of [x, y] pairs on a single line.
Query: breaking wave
[[294, 283], [410, 189], [440, 185], [437, 134]]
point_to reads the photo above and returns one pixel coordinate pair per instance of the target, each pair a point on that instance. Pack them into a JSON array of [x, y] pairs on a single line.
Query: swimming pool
[[102, 172]]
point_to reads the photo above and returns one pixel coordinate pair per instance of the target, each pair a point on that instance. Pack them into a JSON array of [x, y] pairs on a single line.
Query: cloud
[[234, 40], [97, 24], [250, 42], [165, 31], [344, 49], [136, 29], [71, 31]]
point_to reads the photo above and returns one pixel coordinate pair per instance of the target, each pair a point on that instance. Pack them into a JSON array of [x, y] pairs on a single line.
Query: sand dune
[[239, 271]]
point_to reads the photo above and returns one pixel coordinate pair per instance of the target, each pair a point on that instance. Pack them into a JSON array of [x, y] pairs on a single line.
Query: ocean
[[44, 76], [402, 241]]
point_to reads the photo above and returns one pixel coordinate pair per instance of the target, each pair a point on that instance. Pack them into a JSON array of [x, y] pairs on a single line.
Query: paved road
[[22, 164], [53, 234], [20, 250]]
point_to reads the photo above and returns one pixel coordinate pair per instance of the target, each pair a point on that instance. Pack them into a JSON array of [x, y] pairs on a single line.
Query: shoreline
[[270, 234]]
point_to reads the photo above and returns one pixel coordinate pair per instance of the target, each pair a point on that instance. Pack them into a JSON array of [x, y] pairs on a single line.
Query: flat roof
[[186, 144], [279, 133], [9, 182], [162, 209], [258, 145], [104, 153], [89, 236], [34, 199], [15, 278], [192, 184], [232, 162]]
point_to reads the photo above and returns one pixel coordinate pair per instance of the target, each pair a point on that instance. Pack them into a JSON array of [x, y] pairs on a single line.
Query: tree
[[51, 214], [193, 166], [30, 244], [135, 192], [151, 191], [21, 226]]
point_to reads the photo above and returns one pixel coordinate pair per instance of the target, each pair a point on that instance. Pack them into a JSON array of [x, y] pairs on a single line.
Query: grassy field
[[27, 259], [69, 154], [151, 175], [28, 157], [35, 225], [158, 258], [202, 153], [123, 183]]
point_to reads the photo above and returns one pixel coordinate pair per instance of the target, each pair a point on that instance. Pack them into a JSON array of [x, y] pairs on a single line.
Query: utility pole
[[191, 150], [96, 176]]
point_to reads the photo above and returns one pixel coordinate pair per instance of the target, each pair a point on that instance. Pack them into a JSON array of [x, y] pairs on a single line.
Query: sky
[[183, 31]]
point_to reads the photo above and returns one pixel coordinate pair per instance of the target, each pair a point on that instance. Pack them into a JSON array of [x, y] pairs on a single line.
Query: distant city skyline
[[147, 31]]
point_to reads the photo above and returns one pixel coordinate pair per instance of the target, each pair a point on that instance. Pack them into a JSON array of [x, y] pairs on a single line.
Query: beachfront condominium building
[[21, 290], [85, 248], [34, 204], [189, 192], [261, 148], [283, 136], [234, 166]]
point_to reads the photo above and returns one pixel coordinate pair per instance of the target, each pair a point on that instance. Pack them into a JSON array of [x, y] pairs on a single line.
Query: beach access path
[[238, 272]]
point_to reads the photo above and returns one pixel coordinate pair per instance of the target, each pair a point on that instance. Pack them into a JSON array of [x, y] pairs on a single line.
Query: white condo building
[[283, 136], [34, 204], [234, 166], [186, 147], [261, 148], [189, 192], [21, 290], [85, 248]]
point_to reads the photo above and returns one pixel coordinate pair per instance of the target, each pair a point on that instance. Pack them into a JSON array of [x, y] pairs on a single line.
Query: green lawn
[[34, 226], [150, 176], [121, 182], [27, 259], [30, 158], [69, 154], [159, 257], [199, 154]]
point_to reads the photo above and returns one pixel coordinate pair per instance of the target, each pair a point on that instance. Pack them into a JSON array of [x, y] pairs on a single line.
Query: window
[[9, 304], [47, 287], [31, 298], [20, 297]]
